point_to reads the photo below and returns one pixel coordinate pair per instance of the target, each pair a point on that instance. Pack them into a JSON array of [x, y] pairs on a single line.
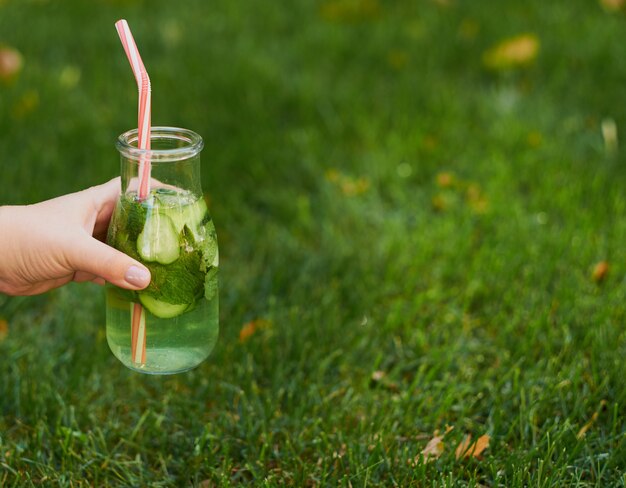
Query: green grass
[[328, 127]]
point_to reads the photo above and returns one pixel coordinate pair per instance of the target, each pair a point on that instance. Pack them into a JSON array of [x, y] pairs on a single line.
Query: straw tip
[[121, 22]]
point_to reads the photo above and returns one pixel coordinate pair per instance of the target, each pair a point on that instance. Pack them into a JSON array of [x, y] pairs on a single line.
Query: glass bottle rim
[[190, 144]]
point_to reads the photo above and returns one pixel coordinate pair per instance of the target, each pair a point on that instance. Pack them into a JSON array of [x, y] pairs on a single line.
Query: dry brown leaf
[[480, 445], [4, 329], [11, 63], [434, 448], [466, 450], [514, 52], [600, 271], [462, 448], [251, 327]]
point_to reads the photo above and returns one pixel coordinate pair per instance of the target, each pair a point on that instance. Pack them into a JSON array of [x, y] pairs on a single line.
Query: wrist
[[5, 232], [9, 219]]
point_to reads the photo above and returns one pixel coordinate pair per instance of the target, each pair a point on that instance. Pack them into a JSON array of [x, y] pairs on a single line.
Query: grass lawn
[[411, 211]]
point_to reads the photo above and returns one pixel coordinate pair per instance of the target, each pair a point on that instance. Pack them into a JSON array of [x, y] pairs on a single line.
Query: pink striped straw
[[138, 333], [145, 104], [138, 314]]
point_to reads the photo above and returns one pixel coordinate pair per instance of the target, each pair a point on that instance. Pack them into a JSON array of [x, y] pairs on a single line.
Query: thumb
[[95, 257]]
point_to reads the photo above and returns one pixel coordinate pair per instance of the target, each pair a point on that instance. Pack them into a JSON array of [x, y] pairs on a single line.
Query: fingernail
[[137, 276]]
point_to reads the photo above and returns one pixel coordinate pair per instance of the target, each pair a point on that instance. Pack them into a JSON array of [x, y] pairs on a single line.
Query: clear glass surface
[[172, 325]]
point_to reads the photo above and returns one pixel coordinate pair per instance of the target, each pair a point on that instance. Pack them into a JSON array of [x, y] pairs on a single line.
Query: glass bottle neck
[[172, 162]]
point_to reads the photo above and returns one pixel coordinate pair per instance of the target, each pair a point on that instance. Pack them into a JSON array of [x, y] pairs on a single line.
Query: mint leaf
[[208, 251], [122, 242], [210, 284], [187, 240], [178, 282], [208, 247], [183, 281], [132, 218]]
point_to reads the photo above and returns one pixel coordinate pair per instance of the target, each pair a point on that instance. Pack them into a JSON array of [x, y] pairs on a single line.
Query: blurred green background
[[422, 217]]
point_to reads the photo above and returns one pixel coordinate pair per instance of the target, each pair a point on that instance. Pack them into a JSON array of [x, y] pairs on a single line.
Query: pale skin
[[49, 244]]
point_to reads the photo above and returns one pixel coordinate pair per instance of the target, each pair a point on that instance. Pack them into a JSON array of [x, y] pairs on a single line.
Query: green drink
[[172, 325]]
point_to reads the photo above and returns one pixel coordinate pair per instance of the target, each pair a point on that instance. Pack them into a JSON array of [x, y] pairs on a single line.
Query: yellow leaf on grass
[[466, 449], [4, 329], [348, 185], [354, 186], [510, 53], [476, 199], [613, 5], [588, 425], [251, 327], [600, 271], [445, 179], [247, 331]]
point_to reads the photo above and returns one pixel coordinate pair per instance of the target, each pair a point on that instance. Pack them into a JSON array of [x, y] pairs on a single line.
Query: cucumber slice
[[160, 309], [158, 241], [189, 215]]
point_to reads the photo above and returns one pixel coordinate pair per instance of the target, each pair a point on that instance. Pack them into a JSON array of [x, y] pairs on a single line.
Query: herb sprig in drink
[[172, 325], [172, 234]]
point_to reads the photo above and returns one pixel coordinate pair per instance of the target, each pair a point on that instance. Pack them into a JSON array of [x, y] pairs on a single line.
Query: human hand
[[49, 244]]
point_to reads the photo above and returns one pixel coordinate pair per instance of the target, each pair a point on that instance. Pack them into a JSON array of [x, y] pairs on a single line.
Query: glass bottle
[[172, 325]]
